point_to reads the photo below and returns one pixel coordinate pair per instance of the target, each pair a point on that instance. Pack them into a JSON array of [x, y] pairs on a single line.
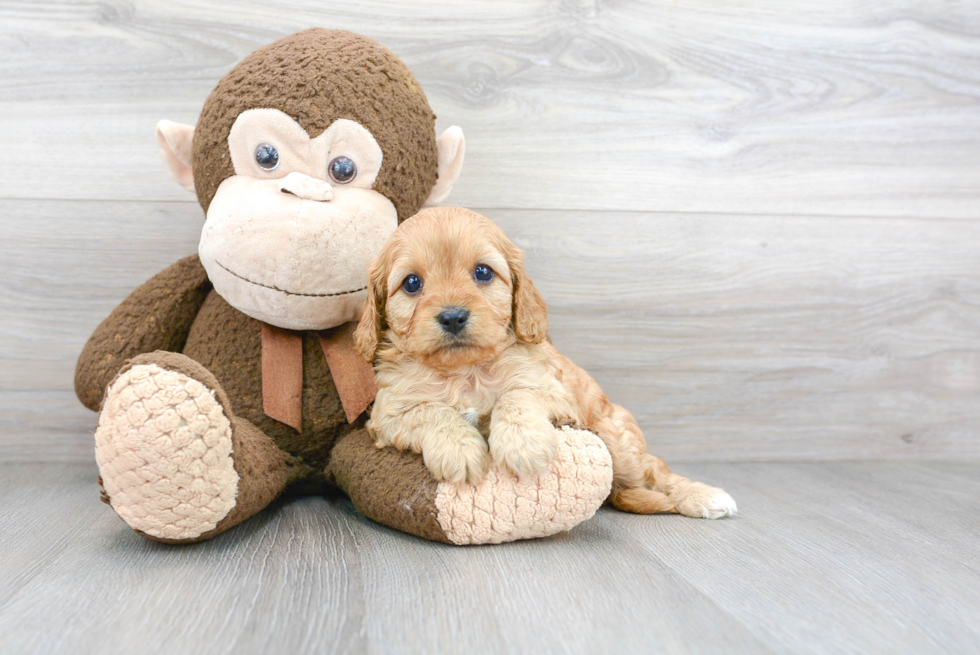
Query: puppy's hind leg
[[644, 484], [632, 489]]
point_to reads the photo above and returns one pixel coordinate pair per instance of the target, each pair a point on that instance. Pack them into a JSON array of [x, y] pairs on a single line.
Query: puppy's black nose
[[453, 319]]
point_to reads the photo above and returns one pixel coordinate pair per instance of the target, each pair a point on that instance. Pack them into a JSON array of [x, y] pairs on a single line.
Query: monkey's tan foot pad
[[164, 449], [502, 508]]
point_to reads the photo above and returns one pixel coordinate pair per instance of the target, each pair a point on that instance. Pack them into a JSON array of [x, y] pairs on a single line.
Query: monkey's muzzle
[[305, 187]]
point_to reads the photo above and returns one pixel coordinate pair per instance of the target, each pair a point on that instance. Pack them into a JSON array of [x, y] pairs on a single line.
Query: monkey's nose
[[306, 187], [453, 319]]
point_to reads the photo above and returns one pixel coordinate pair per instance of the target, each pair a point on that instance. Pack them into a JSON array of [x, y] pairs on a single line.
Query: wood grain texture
[[812, 565], [730, 337], [803, 107], [757, 224], [825, 306]]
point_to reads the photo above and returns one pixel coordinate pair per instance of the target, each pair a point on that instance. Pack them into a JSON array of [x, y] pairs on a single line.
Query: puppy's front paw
[[525, 450], [459, 457]]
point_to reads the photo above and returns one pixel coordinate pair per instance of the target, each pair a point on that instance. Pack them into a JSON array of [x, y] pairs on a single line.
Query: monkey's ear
[[452, 147], [175, 141]]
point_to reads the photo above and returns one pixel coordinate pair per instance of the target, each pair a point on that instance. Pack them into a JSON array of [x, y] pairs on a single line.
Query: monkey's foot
[[395, 488], [164, 449], [505, 508]]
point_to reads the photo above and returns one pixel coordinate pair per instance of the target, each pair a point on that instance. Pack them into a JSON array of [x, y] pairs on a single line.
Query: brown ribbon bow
[[282, 373]]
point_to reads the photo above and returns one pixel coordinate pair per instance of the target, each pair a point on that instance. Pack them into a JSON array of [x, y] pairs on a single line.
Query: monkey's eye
[[483, 273], [412, 284], [267, 156], [342, 170]]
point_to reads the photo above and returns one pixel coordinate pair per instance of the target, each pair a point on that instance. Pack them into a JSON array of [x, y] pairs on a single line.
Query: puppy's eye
[[411, 284], [267, 156], [483, 273]]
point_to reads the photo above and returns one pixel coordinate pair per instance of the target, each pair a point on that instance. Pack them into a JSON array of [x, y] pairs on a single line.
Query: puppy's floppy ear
[[372, 322], [530, 313]]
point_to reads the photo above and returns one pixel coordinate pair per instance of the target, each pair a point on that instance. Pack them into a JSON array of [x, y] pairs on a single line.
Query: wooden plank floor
[[824, 558]]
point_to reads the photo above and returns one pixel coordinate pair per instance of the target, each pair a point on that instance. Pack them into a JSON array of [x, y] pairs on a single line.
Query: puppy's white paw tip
[[719, 506]]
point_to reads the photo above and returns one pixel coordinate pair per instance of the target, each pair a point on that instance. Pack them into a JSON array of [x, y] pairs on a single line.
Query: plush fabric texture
[[299, 153], [302, 266], [172, 297], [229, 344], [353, 376], [177, 310], [387, 486], [164, 449], [316, 77], [282, 375], [397, 490], [138, 444], [261, 466], [175, 141], [502, 508], [452, 149]]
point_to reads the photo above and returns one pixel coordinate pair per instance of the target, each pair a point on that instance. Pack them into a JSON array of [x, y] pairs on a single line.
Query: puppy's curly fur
[[485, 384]]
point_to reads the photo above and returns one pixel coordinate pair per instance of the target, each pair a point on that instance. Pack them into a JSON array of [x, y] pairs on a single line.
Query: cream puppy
[[468, 378]]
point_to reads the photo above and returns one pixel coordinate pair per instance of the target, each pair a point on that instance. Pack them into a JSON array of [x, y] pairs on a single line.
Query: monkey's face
[[289, 236], [292, 221]]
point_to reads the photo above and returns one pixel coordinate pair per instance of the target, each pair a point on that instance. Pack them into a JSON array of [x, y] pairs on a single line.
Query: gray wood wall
[[756, 223]]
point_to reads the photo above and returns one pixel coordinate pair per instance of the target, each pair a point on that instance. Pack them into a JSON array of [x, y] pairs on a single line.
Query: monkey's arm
[[396, 489], [156, 316]]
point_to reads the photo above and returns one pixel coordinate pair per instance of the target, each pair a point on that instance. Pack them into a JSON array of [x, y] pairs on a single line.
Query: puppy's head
[[449, 288]]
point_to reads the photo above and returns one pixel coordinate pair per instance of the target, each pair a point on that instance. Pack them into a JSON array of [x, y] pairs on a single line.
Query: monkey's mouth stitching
[[290, 293]]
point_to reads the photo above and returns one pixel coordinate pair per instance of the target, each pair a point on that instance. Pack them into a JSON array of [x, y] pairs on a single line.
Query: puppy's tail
[[641, 481]]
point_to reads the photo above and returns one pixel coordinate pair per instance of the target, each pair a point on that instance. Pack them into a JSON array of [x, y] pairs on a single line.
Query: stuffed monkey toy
[[229, 378]]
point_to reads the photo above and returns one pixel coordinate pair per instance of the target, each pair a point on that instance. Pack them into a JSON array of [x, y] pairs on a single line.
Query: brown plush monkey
[[229, 377]]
